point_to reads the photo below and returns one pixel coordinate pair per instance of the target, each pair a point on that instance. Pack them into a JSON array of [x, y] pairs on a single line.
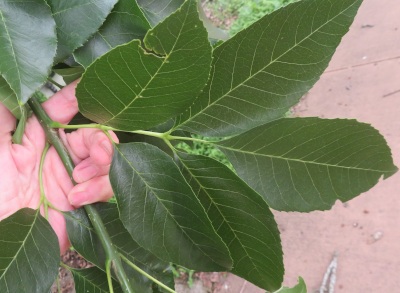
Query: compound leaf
[[92, 280], [125, 23], [77, 21], [243, 219], [29, 253], [262, 71], [86, 242], [28, 45], [160, 210], [130, 89], [306, 164], [299, 288]]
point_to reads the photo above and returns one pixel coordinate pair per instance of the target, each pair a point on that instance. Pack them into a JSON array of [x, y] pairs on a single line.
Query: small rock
[[355, 225], [375, 237]]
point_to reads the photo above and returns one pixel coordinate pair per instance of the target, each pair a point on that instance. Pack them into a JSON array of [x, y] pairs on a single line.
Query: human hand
[[90, 149]]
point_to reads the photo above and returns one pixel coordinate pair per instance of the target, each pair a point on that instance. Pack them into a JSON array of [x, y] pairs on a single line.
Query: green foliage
[[25, 64], [29, 253], [150, 74], [242, 12], [143, 176], [241, 216], [92, 280], [331, 160], [156, 83], [206, 149]]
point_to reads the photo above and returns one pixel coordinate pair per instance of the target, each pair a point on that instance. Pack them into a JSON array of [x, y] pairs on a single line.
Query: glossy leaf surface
[[299, 288], [9, 99], [125, 23], [160, 210], [130, 89], [29, 254], [93, 280], [242, 218], [265, 69], [24, 63], [85, 241], [77, 21], [306, 164]]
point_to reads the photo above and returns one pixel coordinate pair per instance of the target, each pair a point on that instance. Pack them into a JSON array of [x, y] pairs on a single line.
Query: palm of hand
[[19, 185]]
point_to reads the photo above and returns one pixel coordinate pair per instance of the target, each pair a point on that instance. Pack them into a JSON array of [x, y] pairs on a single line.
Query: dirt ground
[[362, 82]]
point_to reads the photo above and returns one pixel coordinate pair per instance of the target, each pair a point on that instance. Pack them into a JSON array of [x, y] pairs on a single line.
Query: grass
[[235, 15]]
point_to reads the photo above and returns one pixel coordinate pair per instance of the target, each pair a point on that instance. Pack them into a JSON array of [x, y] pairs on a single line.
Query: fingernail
[[79, 199], [87, 173], [107, 146]]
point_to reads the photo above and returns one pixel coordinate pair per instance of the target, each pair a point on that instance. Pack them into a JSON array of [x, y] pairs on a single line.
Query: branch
[[52, 136]]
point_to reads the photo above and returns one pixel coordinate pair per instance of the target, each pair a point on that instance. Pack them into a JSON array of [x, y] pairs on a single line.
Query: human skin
[[90, 149]]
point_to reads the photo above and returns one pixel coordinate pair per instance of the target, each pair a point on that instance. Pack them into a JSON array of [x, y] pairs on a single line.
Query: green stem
[[42, 195], [164, 136], [146, 274], [19, 132], [55, 83], [52, 136], [108, 271], [58, 284]]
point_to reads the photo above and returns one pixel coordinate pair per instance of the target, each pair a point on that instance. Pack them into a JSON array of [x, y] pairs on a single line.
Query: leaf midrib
[[158, 70], [251, 76], [227, 222], [168, 212], [298, 160], [22, 245]]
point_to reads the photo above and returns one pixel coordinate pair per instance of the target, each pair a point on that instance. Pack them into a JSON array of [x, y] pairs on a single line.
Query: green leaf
[[130, 89], [70, 74], [28, 45], [29, 253], [86, 242], [160, 210], [243, 219], [299, 288], [125, 23], [265, 69], [92, 280], [157, 11], [77, 21], [10, 100], [306, 164]]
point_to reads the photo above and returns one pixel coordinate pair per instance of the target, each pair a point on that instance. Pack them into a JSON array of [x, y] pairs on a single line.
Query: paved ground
[[362, 82]]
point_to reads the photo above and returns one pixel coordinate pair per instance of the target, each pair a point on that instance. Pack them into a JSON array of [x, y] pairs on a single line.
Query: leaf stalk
[[146, 274], [52, 136]]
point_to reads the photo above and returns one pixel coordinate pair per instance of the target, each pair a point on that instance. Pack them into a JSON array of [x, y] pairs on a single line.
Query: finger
[[56, 180], [58, 224], [88, 169], [63, 106], [7, 122], [94, 190], [92, 143]]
